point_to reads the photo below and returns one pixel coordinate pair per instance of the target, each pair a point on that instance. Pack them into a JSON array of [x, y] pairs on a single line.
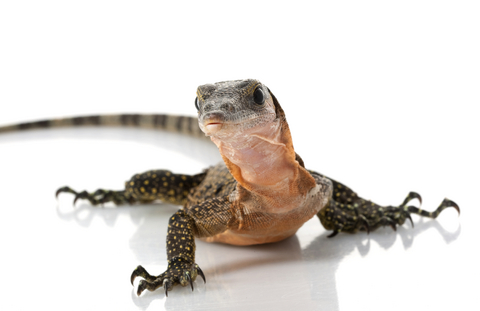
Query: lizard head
[[234, 107], [245, 121]]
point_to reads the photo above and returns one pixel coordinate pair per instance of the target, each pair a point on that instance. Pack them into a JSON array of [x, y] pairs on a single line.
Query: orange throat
[[262, 161]]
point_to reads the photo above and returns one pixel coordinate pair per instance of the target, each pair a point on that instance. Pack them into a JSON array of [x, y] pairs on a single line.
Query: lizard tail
[[179, 124]]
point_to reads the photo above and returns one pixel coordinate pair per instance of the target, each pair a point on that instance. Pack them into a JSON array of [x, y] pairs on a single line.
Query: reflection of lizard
[[262, 192]]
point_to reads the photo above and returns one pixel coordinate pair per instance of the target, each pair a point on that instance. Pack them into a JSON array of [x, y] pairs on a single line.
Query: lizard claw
[[365, 223], [189, 279], [141, 287], [200, 272], [393, 225], [412, 195], [64, 189], [139, 271], [410, 218], [167, 285], [331, 235], [81, 195], [449, 203]]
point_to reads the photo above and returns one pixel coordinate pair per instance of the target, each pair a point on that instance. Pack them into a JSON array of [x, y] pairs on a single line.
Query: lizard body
[[261, 193]]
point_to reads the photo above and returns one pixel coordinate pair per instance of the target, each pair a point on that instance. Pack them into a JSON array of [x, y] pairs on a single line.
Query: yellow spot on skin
[[146, 182], [154, 190], [132, 183], [184, 177], [168, 173], [154, 175], [165, 184], [338, 194], [142, 189]]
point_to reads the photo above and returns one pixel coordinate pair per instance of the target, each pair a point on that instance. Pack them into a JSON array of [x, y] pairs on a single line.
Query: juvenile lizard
[[261, 193]]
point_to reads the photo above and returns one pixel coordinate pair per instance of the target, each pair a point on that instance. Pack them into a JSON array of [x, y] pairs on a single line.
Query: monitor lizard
[[260, 193]]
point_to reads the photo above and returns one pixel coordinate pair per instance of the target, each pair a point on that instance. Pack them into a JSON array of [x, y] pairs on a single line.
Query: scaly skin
[[262, 192]]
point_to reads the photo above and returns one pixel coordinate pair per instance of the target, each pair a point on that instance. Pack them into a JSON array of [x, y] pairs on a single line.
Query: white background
[[380, 95]]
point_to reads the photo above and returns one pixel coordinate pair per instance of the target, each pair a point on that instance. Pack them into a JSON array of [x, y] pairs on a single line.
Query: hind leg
[[347, 212], [146, 187]]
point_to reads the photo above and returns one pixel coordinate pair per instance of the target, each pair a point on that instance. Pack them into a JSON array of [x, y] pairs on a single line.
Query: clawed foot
[[178, 272], [98, 197], [367, 216]]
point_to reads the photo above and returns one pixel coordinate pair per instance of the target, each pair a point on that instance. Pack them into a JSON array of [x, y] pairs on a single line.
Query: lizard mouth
[[213, 122], [213, 127]]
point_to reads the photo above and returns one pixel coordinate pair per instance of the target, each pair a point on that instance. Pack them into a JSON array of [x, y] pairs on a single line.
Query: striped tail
[[178, 124]]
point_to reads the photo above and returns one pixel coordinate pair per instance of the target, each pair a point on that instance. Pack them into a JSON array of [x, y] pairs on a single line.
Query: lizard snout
[[213, 122]]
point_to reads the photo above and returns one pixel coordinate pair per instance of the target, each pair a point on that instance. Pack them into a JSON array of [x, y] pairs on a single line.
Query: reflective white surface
[[383, 98]]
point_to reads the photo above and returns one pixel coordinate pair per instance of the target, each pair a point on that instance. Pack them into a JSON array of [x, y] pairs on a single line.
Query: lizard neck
[[262, 160]]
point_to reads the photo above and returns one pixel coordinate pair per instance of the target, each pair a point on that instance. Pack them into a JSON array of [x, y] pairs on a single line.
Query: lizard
[[260, 193]]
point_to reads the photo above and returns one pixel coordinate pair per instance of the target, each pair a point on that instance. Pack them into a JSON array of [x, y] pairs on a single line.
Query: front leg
[[206, 219], [144, 188], [363, 215], [347, 212], [182, 268]]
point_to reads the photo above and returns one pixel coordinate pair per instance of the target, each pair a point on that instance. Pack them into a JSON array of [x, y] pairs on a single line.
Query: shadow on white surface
[[253, 276]]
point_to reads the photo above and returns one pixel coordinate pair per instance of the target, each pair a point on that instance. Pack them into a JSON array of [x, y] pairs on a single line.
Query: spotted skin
[[347, 212], [202, 220], [182, 268], [162, 185], [207, 213], [146, 187]]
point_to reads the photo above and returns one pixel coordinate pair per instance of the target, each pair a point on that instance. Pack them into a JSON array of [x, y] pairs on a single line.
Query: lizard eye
[[196, 103], [258, 96]]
